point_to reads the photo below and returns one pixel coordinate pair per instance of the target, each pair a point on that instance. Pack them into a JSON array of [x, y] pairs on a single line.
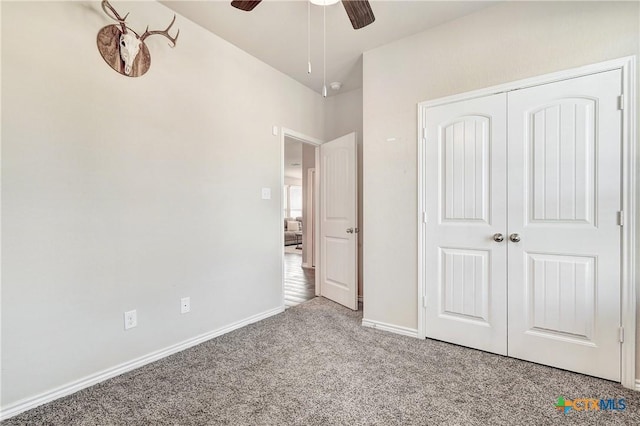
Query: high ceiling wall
[[504, 43], [126, 193]]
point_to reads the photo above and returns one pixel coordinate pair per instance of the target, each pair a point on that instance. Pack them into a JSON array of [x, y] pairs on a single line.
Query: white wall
[[343, 115], [292, 181], [128, 193], [504, 43]]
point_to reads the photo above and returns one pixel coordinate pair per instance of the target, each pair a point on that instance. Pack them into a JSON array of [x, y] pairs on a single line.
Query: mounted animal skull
[[123, 49], [129, 48]]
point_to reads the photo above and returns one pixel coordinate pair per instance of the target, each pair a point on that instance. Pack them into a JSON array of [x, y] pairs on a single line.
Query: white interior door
[[564, 197], [339, 221], [465, 184]]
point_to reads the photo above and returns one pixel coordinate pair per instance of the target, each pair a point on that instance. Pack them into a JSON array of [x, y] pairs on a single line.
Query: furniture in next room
[[291, 226]]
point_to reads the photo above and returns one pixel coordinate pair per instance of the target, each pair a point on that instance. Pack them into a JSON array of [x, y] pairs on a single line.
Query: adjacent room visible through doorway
[[298, 199]]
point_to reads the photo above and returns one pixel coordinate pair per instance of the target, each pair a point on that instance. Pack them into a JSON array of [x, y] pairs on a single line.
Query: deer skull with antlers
[[123, 49]]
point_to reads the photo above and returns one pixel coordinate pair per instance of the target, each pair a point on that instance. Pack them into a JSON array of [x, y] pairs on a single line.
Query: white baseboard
[[72, 387], [638, 385], [405, 331]]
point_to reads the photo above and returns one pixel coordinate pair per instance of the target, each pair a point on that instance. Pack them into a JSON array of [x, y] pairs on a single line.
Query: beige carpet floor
[[315, 364]]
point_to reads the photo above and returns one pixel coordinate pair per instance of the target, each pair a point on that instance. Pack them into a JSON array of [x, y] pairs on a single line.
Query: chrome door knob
[[498, 238], [349, 230], [515, 238]]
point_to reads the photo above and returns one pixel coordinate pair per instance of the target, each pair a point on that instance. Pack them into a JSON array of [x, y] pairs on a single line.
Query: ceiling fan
[[359, 11]]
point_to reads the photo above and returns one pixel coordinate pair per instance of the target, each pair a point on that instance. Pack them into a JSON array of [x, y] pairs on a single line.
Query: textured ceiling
[[276, 32]]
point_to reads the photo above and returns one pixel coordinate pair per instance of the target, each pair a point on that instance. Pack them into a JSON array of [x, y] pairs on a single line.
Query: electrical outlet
[[185, 305], [130, 319]]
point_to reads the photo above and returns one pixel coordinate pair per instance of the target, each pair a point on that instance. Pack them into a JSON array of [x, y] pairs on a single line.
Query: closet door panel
[[564, 186], [465, 193]]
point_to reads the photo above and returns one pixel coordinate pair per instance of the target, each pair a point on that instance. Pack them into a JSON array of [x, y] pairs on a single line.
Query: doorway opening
[[299, 203], [329, 236]]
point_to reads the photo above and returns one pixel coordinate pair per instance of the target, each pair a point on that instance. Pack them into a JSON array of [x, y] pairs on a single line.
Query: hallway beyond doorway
[[299, 282]]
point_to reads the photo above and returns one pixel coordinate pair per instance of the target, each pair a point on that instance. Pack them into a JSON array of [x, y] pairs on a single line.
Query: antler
[[165, 33], [116, 17]]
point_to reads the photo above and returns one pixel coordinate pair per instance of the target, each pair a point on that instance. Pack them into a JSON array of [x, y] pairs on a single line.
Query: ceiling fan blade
[[247, 6], [359, 12]]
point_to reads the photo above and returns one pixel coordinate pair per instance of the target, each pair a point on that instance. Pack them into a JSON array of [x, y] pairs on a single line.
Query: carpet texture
[[316, 365]]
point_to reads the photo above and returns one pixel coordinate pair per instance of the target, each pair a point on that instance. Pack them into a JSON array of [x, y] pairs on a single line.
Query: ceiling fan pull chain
[[308, 37], [324, 52]]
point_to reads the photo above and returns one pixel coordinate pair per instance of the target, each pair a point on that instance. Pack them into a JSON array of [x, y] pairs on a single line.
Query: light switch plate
[[266, 193]]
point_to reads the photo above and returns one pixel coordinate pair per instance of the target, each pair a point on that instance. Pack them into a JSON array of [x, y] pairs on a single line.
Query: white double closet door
[[523, 244]]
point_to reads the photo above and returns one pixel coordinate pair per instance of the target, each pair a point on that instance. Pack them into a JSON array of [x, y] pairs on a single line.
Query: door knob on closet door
[[349, 230], [498, 238], [515, 238]]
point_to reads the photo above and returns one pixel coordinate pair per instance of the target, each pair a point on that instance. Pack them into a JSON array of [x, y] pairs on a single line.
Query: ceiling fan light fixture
[[324, 2]]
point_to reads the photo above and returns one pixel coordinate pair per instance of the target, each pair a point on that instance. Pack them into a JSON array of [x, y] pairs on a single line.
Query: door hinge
[[424, 301], [424, 217], [621, 218], [621, 102], [621, 334]]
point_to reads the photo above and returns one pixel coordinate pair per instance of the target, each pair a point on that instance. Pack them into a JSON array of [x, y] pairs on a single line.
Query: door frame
[[309, 261], [629, 173], [309, 140]]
